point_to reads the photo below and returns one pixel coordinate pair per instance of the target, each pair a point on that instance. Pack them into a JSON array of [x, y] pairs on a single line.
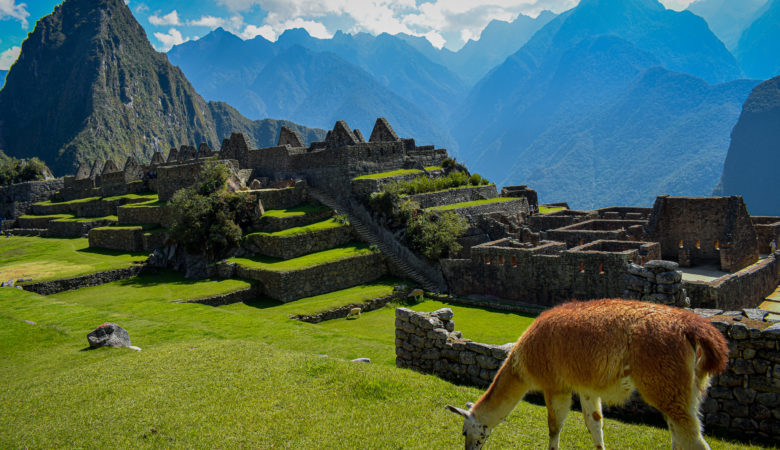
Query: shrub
[[14, 170], [208, 218], [435, 235]]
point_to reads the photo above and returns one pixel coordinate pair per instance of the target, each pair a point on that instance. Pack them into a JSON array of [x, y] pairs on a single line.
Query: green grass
[[126, 227], [52, 258], [472, 203], [237, 376], [452, 188], [300, 210], [71, 202], [317, 226], [148, 204], [434, 168], [88, 219], [549, 209], [49, 216], [394, 173], [145, 197], [306, 261], [337, 299]]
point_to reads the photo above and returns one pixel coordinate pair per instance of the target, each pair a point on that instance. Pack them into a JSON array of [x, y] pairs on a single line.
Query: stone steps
[[772, 304], [368, 236]]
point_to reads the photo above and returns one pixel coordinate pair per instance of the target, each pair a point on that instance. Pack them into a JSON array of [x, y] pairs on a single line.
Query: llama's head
[[476, 434]]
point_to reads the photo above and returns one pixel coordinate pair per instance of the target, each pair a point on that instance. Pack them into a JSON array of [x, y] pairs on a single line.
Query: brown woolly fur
[[603, 350]]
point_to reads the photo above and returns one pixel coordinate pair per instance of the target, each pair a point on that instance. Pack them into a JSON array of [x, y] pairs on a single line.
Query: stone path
[[772, 304]]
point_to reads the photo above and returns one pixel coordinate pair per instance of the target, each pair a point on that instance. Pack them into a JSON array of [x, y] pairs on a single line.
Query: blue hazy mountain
[[319, 88], [758, 50], [392, 78], [558, 102], [497, 41], [3, 73], [754, 154], [728, 18]]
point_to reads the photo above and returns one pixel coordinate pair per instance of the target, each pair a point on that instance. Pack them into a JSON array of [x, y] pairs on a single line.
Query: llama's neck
[[507, 389]]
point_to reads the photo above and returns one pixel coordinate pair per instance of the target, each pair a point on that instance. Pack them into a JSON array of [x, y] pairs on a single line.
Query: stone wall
[[171, 178], [92, 279], [75, 228], [512, 208], [154, 240], [559, 219], [296, 284], [363, 187], [624, 213], [17, 199], [343, 311], [140, 215], [543, 275], [695, 230], [459, 195], [594, 230], [282, 198], [251, 293], [743, 402], [278, 223], [129, 239], [657, 282], [767, 230], [287, 247], [744, 289]]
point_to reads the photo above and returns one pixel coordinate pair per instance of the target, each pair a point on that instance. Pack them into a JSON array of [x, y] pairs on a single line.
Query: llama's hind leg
[[558, 405], [591, 411]]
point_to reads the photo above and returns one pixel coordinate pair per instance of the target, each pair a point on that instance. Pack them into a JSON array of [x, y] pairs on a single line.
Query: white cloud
[[8, 57], [168, 40], [9, 9], [142, 8], [172, 18]]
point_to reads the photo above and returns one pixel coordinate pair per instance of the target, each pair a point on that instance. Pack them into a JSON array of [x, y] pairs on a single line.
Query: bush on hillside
[[208, 218], [14, 170]]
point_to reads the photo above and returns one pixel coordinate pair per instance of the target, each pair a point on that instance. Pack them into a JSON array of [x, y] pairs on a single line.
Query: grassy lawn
[[433, 168], [147, 204], [303, 262], [237, 376], [549, 209], [143, 197], [125, 227], [472, 203], [71, 202], [317, 226], [88, 219], [300, 210], [332, 300], [51, 258], [48, 216], [394, 173]]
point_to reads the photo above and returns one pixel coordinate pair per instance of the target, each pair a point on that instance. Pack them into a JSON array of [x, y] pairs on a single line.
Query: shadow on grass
[[106, 252], [263, 303]]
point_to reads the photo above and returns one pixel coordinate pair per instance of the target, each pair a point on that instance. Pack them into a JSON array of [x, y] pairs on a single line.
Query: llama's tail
[[712, 350]]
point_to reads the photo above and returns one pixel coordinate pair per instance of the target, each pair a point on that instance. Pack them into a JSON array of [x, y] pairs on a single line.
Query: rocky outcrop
[[109, 335]]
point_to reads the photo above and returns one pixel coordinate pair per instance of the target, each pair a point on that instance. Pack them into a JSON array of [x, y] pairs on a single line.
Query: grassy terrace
[[147, 204], [550, 209], [52, 258], [472, 203], [47, 216], [303, 262], [394, 173], [463, 186], [300, 210], [243, 375], [88, 219], [70, 202], [123, 227], [317, 226], [142, 197]]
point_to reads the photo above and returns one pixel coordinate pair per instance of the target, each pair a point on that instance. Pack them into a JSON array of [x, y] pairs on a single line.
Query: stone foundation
[[92, 279], [287, 247], [459, 195]]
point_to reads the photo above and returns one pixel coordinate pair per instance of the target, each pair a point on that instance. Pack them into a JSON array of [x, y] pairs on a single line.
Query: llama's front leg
[[591, 410], [558, 406]]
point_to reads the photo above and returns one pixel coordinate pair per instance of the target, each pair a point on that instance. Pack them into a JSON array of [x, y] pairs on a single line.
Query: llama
[[603, 350], [417, 294], [354, 313]]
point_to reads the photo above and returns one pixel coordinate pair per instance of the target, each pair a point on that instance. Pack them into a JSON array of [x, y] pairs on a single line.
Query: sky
[[445, 23]]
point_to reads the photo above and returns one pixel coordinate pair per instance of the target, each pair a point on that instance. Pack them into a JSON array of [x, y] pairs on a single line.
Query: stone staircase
[[429, 279]]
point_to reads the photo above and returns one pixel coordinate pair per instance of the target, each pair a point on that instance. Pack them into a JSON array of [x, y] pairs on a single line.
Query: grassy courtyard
[[242, 375], [53, 258]]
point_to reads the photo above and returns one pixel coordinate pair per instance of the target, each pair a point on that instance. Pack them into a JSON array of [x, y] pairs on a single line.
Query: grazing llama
[[354, 313], [603, 350]]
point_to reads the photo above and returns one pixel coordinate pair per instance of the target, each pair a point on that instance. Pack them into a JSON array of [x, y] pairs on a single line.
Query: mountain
[[3, 73], [318, 81], [553, 114], [727, 18], [497, 41], [758, 50], [118, 97], [751, 165]]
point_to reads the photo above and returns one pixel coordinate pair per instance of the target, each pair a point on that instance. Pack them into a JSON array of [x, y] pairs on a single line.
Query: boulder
[[658, 265], [444, 314], [362, 360], [109, 334]]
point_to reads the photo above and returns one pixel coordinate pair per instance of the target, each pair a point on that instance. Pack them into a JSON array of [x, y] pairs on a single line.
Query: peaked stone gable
[[173, 155], [288, 136], [83, 171], [97, 168], [109, 167], [340, 136], [383, 132], [157, 159]]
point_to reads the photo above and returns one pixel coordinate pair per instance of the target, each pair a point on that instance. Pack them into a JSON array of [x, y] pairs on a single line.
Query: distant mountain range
[[119, 96], [758, 50], [584, 112], [728, 18], [3, 73], [754, 154]]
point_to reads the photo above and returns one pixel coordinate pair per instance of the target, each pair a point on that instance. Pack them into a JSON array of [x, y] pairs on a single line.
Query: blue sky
[[448, 23]]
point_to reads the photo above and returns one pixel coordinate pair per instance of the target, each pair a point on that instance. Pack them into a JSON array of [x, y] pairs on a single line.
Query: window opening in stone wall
[[501, 260], [487, 259], [601, 268], [717, 245], [582, 266], [698, 243], [580, 241], [680, 244], [514, 261]]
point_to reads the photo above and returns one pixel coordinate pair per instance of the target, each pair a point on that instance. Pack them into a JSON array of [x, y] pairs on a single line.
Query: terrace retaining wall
[[92, 279], [743, 402], [242, 295], [458, 195], [287, 247], [17, 199]]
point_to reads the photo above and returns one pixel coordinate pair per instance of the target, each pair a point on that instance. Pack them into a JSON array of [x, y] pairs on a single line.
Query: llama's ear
[[458, 411], [469, 405]]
